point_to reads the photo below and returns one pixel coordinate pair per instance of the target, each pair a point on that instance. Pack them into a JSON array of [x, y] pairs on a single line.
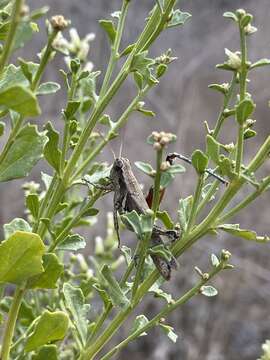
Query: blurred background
[[233, 325]]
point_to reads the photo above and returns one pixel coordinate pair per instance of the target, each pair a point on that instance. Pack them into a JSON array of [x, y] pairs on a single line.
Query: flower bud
[[59, 23], [233, 59]]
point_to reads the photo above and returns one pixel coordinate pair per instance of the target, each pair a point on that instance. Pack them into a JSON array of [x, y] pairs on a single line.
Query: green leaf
[[38, 13], [109, 27], [139, 322], [169, 331], [52, 271], [213, 149], [15, 75], [48, 88], [235, 230], [165, 218], [160, 251], [127, 254], [127, 50], [226, 167], [184, 211], [199, 161], [51, 326], [46, 352], [161, 70], [103, 294], [114, 290], [159, 293], [243, 110], [16, 224], [32, 203], [246, 20], [90, 212], [214, 260], [138, 79], [259, 63], [24, 33], [249, 133], [144, 167], [71, 109], [51, 152], [230, 15], [20, 99], [20, 257], [178, 18], [208, 290], [141, 224], [72, 242], [75, 303], [23, 154], [140, 62]]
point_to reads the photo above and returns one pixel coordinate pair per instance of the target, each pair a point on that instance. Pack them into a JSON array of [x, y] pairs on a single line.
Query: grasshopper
[[128, 196]]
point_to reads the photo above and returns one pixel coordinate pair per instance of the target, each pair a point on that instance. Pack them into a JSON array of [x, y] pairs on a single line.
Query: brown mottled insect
[[128, 196]]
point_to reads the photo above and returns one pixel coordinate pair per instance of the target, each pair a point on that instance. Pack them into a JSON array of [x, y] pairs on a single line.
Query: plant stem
[[195, 202], [166, 310], [14, 22], [212, 190], [115, 47], [242, 81], [10, 325]]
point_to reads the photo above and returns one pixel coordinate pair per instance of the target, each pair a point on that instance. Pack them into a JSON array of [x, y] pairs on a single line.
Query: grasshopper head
[[119, 166]]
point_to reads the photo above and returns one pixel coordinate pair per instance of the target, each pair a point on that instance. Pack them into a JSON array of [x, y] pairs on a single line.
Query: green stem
[[196, 199], [166, 310], [11, 322], [44, 61], [115, 47], [156, 193], [243, 84], [14, 22], [212, 190], [74, 221], [226, 102]]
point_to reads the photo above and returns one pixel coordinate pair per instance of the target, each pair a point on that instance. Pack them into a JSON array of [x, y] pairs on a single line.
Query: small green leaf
[[213, 149], [16, 224], [249, 133], [51, 151], [144, 167], [141, 224], [127, 50], [72, 242], [103, 294], [246, 20], [169, 331], [138, 79], [90, 212], [243, 110], [127, 254], [32, 203], [75, 302], [20, 257], [48, 88], [207, 290], [165, 218], [109, 27], [259, 63], [23, 154], [71, 109], [52, 271], [184, 211], [20, 99], [114, 290], [51, 326], [159, 293], [160, 251], [46, 352], [230, 15], [226, 167], [161, 70], [38, 13], [178, 18], [139, 322], [214, 260], [199, 161], [235, 230], [140, 62]]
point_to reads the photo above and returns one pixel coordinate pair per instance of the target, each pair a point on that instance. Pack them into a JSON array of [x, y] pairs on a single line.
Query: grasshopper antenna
[[122, 142], [170, 157], [110, 146]]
